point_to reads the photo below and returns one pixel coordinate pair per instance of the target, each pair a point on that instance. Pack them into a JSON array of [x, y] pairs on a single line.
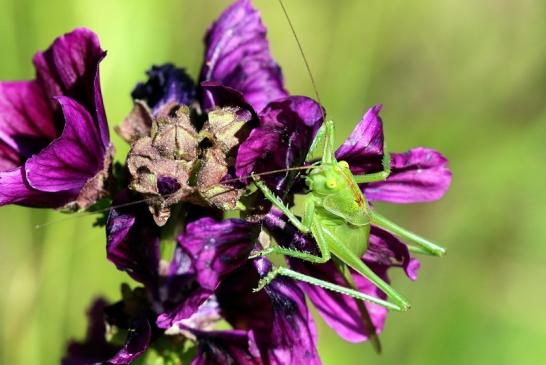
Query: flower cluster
[[184, 217]]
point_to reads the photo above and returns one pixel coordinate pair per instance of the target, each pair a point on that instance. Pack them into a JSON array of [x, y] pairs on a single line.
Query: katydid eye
[[331, 183], [344, 164]]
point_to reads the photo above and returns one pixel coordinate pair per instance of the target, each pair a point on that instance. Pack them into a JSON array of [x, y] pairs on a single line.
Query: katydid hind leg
[[424, 244], [342, 252], [283, 271], [371, 330]]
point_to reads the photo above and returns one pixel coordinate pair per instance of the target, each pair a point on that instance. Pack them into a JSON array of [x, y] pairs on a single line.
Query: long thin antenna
[[300, 47], [136, 202]]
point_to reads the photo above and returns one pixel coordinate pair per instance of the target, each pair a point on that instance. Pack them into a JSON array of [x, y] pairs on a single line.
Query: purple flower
[[278, 315], [54, 144], [417, 176], [165, 84]]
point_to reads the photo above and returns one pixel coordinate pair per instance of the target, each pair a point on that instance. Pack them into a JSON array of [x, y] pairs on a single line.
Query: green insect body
[[338, 217]]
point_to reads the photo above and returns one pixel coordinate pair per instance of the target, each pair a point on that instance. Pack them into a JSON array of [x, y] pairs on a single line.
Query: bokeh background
[[466, 77]]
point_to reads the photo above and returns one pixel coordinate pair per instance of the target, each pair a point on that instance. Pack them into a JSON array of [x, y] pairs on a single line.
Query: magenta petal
[[339, 311], [419, 175], [14, 189], [237, 55], [73, 158], [363, 150], [26, 120], [385, 249], [70, 67], [217, 248]]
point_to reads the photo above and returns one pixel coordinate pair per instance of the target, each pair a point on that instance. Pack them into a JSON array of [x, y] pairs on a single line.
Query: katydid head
[[327, 179]]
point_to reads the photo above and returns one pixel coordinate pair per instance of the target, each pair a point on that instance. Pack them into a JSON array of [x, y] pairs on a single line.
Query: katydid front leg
[[377, 176], [305, 227]]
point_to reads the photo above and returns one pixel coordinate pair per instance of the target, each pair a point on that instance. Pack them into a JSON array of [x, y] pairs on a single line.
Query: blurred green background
[[466, 77]]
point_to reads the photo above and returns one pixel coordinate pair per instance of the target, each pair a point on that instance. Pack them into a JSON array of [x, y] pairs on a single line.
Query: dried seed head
[[161, 165]]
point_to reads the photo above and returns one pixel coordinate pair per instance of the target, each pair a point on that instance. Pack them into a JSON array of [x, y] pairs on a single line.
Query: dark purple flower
[[286, 131], [215, 249], [165, 84], [96, 349], [278, 315], [54, 143], [237, 55], [234, 347]]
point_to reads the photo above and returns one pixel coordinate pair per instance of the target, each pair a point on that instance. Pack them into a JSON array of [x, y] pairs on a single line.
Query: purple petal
[[339, 311], [73, 158], [137, 342], [363, 150], [26, 121], [70, 67], [237, 55], [14, 189], [278, 315], [419, 175], [226, 347], [217, 248], [133, 242], [286, 131], [385, 249], [218, 95], [293, 326], [165, 84], [194, 296], [94, 349]]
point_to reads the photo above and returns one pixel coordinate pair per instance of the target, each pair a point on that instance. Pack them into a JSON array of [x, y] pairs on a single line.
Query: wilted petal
[[282, 140], [363, 150], [419, 175], [237, 55], [165, 84], [26, 121], [73, 158], [133, 242], [217, 248], [233, 347]]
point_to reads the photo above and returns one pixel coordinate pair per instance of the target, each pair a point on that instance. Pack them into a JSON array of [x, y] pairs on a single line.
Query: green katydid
[[338, 217]]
